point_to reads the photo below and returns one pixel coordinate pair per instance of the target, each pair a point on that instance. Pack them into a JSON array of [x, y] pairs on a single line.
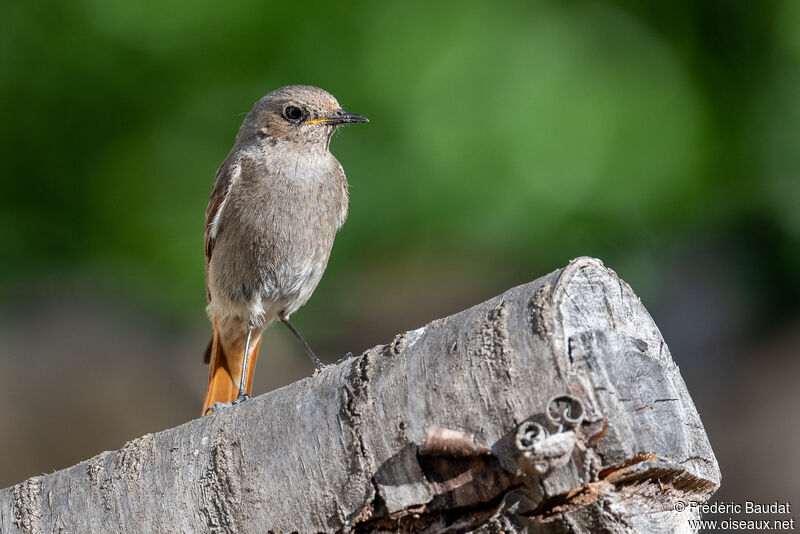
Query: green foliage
[[531, 132]]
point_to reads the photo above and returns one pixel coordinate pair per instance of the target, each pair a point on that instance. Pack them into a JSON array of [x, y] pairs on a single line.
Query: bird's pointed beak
[[340, 117]]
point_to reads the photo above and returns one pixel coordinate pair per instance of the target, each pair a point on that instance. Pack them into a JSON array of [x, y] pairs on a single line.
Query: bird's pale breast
[[275, 234]]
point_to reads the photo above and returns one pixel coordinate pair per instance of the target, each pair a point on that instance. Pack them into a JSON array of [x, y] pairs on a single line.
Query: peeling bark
[[554, 407]]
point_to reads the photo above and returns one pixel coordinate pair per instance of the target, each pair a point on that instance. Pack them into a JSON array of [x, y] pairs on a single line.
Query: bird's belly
[[261, 279]]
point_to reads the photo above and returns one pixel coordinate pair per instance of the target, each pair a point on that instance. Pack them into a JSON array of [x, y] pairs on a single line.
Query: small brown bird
[[277, 202]]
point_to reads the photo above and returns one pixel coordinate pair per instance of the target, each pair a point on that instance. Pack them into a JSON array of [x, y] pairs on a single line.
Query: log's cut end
[[554, 407], [601, 318], [639, 426]]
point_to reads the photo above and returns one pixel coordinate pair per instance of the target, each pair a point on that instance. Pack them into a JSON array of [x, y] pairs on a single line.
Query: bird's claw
[[219, 405], [240, 399]]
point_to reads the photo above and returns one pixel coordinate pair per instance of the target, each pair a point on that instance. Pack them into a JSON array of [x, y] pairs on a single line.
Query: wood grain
[[340, 451]]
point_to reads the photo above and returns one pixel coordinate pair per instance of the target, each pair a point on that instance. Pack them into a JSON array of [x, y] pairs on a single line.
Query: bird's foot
[[219, 405], [240, 399], [345, 357]]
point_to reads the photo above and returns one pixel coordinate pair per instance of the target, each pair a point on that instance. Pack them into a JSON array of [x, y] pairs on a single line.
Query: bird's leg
[[243, 396], [317, 363]]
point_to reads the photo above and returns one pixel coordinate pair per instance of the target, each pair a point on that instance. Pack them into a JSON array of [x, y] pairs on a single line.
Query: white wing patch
[[345, 196], [212, 231]]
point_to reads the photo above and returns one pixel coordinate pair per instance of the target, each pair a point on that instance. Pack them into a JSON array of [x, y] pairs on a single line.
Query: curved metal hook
[[571, 415]]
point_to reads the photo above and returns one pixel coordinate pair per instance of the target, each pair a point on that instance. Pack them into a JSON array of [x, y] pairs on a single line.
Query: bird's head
[[298, 114]]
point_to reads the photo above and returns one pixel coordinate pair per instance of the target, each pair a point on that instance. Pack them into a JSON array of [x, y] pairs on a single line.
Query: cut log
[[554, 407]]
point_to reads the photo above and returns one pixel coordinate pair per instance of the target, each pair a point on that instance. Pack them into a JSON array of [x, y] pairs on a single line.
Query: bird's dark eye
[[293, 113]]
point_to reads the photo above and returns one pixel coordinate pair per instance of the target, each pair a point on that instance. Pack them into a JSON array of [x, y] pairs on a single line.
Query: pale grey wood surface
[[363, 445]]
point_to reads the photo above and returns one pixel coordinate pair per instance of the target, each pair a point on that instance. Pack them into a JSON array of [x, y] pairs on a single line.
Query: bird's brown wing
[[227, 174], [345, 208]]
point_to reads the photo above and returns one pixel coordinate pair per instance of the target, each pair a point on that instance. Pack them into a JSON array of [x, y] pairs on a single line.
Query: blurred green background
[[505, 139]]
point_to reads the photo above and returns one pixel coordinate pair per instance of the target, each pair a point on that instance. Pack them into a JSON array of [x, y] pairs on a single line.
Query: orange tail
[[225, 370]]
